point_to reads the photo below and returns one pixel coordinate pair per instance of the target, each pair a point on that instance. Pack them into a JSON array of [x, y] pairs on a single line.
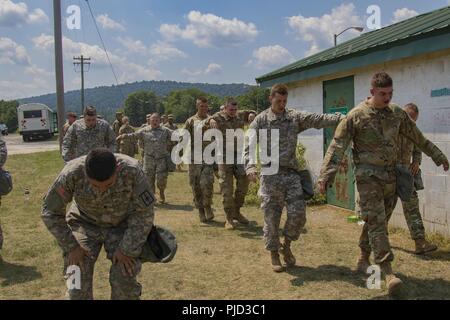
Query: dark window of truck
[[32, 114]]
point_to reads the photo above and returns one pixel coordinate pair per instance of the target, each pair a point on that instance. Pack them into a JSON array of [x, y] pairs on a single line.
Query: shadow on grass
[[325, 273], [430, 256], [250, 231], [421, 289], [413, 288], [11, 274], [175, 207]]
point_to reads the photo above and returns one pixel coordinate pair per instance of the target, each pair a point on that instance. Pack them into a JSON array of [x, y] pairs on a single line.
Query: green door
[[339, 96]]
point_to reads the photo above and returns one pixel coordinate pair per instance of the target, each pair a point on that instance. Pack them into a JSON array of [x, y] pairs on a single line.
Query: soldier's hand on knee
[[76, 257], [126, 263]]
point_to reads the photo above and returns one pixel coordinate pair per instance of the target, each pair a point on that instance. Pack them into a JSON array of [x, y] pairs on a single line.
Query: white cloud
[[159, 51], [35, 71], [318, 31], [134, 46], [17, 14], [127, 71], [13, 53], [211, 69], [37, 16], [10, 90], [165, 51], [109, 24], [403, 14], [209, 30], [270, 57]]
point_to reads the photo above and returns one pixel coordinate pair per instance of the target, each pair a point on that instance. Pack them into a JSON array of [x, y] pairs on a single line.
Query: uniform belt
[[281, 169], [375, 167]]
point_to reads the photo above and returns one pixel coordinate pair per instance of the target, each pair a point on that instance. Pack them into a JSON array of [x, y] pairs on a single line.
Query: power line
[[104, 47]]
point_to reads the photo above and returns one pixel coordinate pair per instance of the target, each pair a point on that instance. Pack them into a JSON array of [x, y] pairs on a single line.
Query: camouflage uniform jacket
[[79, 139], [155, 142], [290, 124], [128, 202], [375, 135]]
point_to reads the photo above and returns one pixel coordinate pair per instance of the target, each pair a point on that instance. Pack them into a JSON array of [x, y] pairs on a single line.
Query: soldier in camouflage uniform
[[285, 187], [229, 119], [170, 123], [87, 134], [112, 207], [3, 156], [127, 145], [118, 123], [156, 142], [374, 127], [410, 157], [71, 118], [201, 175]]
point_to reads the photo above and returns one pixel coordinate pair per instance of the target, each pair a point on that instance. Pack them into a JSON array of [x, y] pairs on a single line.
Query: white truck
[[36, 120]]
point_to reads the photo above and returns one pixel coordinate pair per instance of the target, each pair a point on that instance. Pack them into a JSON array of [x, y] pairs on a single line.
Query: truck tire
[[25, 138]]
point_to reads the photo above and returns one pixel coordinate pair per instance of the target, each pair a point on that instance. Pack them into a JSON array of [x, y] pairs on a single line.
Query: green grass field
[[211, 263]]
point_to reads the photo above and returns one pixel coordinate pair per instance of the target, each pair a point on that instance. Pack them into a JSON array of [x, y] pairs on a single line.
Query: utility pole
[[59, 68], [81, 61]]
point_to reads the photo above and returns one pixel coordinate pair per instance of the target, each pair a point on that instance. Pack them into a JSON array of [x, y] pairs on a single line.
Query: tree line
[[179, 103]]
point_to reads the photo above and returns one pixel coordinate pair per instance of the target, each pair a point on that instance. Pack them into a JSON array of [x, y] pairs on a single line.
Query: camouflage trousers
[[92, 238], [377, 200], [276, 191], [1, 236], [201, 179], [413, 217], [1, 231], [156, 170], [227, 173]]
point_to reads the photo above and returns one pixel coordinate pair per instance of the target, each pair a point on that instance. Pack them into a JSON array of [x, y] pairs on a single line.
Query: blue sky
[[183, 40]]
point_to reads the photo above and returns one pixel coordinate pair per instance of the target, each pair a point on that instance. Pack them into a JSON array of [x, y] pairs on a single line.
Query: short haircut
[[71, 114], [202, 99], [381, 80], [100, 164], [231, 100], [155, 114], [281, 89], [412, 107], [125, 118], [90, 111]]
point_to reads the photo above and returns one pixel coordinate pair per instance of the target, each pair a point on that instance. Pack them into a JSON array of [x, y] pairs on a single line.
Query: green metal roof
[[422, 26]]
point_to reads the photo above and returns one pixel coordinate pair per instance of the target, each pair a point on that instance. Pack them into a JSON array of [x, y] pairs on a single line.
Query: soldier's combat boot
[[393, 283], [276, 263], [162, 197], [423, 246], [229, 223], [201, 215], [239, 217], [209, 214], [286, 252], [363, 262]]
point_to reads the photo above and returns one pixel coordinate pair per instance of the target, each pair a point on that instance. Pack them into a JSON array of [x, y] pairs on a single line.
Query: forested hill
[[108, 99]]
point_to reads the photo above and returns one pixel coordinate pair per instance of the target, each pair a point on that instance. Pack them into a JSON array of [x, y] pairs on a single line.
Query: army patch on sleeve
[[147, 198]]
